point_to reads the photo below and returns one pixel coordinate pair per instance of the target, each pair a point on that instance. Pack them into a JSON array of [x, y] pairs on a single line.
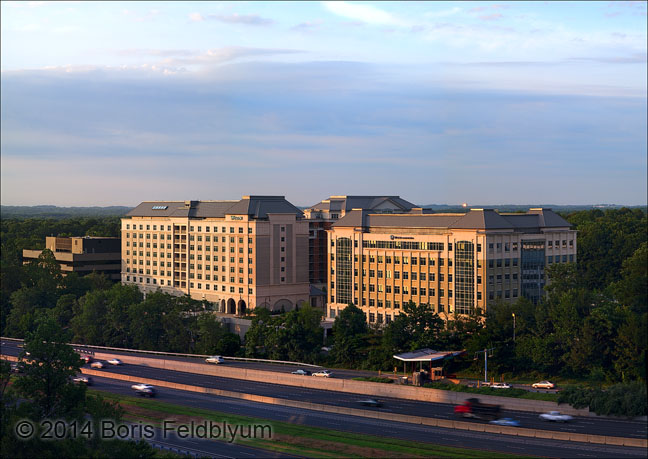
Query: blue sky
[[113, 103]]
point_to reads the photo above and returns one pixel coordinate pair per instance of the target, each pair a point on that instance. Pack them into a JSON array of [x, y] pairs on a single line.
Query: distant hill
[[61, 212], [522, 208]]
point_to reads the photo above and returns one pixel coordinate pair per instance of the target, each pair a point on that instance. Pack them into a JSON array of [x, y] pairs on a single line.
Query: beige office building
[[235, 254], [454, 262], [83, 255]]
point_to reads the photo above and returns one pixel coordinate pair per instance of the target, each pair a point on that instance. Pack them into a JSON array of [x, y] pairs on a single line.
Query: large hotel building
[[455, 262], [235, 254]]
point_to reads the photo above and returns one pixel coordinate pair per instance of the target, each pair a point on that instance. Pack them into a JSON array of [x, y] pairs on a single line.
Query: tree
[[422, 325], [258, 333], [49, 364], [631, 290], [349, 331]]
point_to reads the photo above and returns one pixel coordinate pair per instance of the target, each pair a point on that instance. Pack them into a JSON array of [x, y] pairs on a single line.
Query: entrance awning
[[426, 355]]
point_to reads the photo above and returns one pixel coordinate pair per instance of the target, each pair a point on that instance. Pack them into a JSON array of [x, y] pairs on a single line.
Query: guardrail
[[78, 346]]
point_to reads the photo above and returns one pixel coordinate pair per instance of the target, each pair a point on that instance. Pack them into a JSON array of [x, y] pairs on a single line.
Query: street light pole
[[513, 314], [485, 351]]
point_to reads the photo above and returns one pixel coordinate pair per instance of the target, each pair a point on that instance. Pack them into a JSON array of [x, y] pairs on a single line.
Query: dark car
[[301, 372]]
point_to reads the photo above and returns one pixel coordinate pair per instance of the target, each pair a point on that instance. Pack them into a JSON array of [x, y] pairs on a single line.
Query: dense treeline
[[61, 212], [19, 234], [98, 312]]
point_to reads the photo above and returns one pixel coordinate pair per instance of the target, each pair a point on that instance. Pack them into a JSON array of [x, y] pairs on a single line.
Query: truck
[[473, 408]]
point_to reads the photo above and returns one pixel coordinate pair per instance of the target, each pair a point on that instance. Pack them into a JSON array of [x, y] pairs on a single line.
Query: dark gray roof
[[348, 203], [261, 206], [475, 219], [482, 218], [254, 206]]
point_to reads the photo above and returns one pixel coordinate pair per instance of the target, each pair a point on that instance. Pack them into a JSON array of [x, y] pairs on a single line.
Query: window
[[423, 275]]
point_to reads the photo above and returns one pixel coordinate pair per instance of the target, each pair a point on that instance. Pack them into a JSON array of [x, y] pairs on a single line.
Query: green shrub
[[623, 399]]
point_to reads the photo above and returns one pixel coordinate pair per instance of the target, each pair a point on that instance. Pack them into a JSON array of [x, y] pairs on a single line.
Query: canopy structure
[[426, 355]]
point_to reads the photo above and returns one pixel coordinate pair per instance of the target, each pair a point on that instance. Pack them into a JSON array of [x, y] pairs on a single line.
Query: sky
[[115, 103]]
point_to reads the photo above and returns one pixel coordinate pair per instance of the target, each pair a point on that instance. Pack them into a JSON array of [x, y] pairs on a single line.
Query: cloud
[[141, 18], [257, 127], [247, 19], [365, 13], [196, 17], [307, 26], [491, 17], [636, 58], [442, 14]]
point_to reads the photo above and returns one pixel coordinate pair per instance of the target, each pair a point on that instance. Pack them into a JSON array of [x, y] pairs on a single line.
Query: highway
[[389, 429], [584, 425]]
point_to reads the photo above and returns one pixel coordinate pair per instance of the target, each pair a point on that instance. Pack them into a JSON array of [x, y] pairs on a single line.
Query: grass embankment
[[513, 393], [294, 439]]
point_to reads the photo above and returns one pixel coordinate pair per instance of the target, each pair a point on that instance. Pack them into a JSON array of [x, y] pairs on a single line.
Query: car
[[96, 365], [145, 390], [215, 359], [301, 372], [87, 380], [543, 385], [555, 416], [505, 422], [370, 402], [86, 358], [500, 385], [15, 368], [115, 362], [323, 374]]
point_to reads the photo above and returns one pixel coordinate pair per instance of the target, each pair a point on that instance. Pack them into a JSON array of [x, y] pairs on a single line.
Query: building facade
[[83, 255], [237, 255], [457, 263], [323, 214]]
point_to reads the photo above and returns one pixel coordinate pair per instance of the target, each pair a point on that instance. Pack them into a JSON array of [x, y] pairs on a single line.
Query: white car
[[500, 385], [215, 359], [555, 416], [96, 365], [543, 385], [145, 390], [115, 362], [323, 374]]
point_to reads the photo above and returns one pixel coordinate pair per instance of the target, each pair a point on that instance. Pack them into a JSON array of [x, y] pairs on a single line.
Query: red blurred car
[[86, 358]]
